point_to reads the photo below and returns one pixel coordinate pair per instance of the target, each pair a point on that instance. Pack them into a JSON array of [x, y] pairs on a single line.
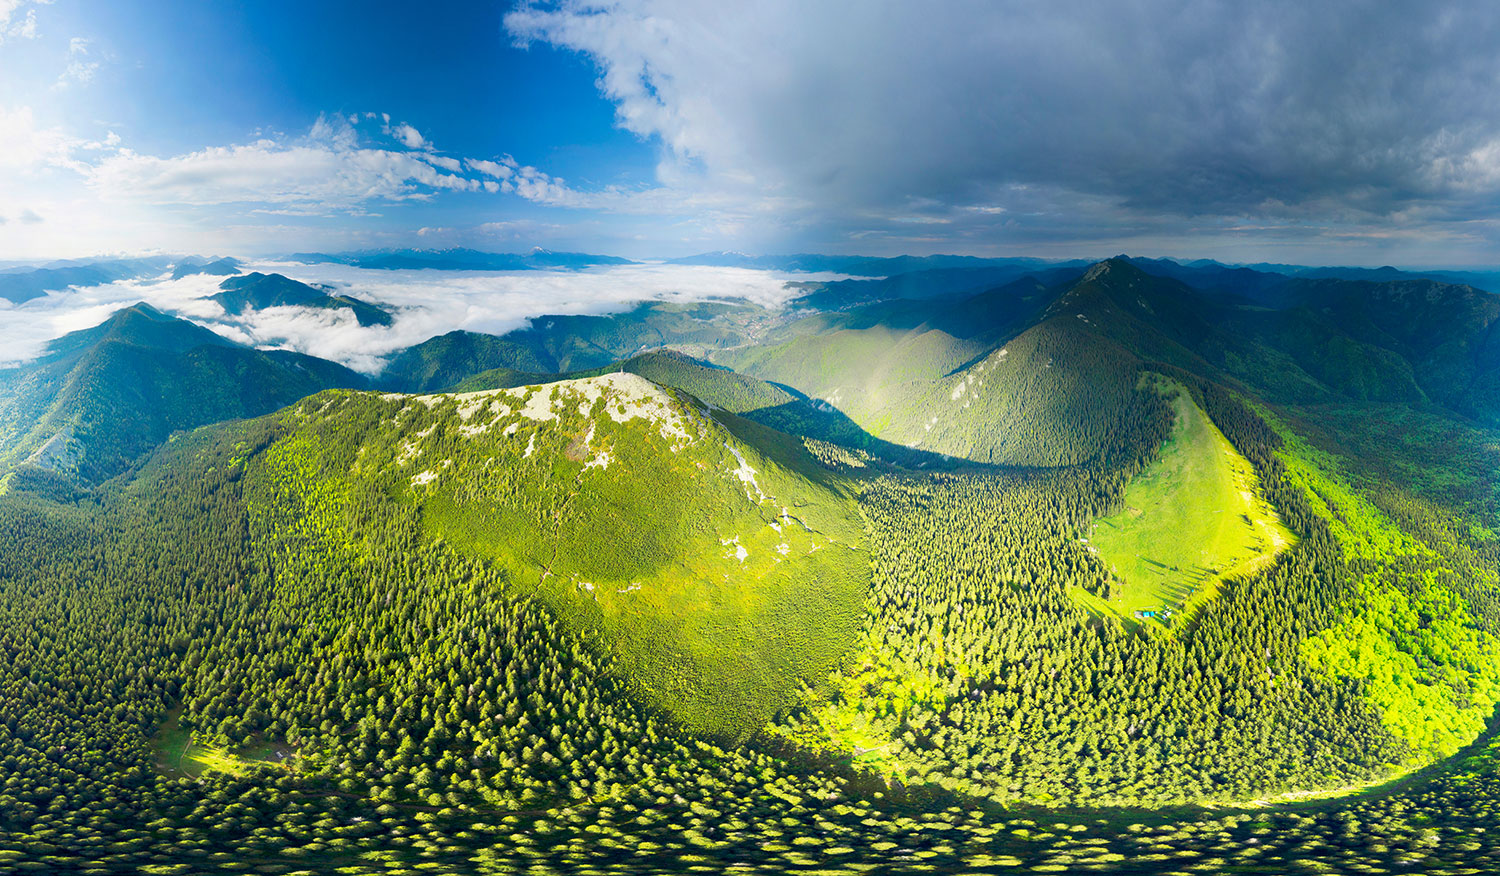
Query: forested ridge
[[600, 626], [982, 674]]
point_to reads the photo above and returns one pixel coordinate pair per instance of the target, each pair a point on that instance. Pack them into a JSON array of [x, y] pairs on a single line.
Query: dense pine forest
[[840, 610]]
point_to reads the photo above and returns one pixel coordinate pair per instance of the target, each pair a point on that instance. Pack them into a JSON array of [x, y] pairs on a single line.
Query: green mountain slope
[[1300, 355], [729, 390], [1015, 376], [557, 344], [756, 400], [1449, 333], [447, 360], [719, 603], [1195, 517], [575, 343], [870, 373], [1308, 338], [938, 283], [722, 389], [1060, 363], [102, 397]]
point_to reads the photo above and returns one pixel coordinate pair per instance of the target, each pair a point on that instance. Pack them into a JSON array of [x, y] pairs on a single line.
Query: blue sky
[[1343, 132], [218, 71], [169, 78]]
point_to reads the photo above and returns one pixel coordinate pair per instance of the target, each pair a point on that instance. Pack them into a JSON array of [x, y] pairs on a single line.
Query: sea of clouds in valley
[[424, 303]]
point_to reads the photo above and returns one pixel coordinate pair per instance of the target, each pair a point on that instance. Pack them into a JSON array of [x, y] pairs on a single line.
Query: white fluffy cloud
[[452, 165], [271, 172], [27, 145], [81, 68], [102, 195], [332, 167], [497, 169], [426, 303], [409, 137], [341, 164], [16, 25]]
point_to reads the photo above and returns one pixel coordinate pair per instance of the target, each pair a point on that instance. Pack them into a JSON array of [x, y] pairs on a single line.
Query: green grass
[[179, 754], [1192, 519]]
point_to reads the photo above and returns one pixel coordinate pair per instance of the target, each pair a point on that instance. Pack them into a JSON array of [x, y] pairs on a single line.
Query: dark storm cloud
[[956, 115]]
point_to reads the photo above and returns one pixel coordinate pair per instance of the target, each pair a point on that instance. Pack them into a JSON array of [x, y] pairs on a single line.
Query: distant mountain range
[[557, 344], [891, 364], [929, 283], [883, 355], [460, 260], [876, 348], [257, 291], [224, 267], [21, 284], [1210, 275], [862, 266], [898, 277], [101, 397]]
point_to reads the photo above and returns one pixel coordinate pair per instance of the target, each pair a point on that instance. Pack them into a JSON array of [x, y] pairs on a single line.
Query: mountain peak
[[140, 308], [257, 291], [222, 267], [145, 326], [249, 279], [1118, 267]]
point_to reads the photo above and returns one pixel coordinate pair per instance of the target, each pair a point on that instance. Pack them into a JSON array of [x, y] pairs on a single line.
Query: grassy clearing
[[177, 753], [1191, 520]]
